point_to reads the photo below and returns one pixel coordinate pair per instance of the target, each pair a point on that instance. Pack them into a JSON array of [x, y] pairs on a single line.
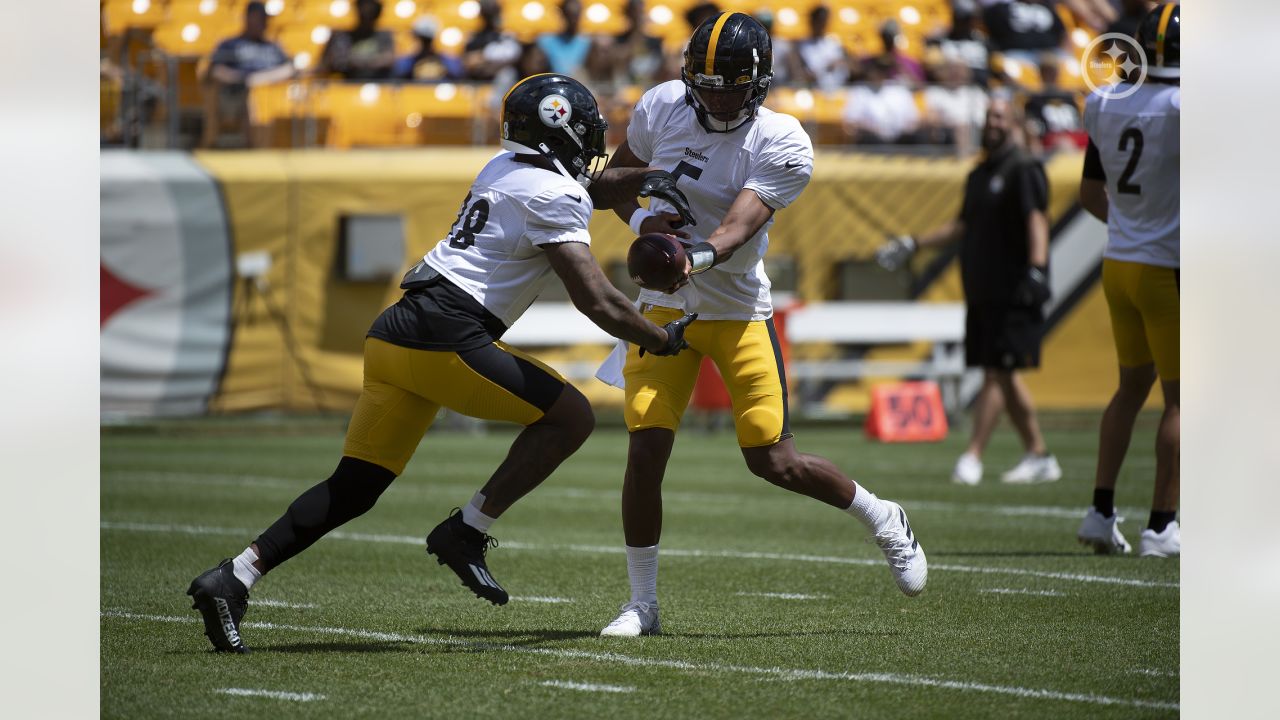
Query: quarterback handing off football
[[656, 261]]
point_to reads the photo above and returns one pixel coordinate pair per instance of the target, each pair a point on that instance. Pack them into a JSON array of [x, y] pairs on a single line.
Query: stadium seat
[[303, 42], [123, 15], [604, 17], [530, 18], [443, 114], [193, 36]]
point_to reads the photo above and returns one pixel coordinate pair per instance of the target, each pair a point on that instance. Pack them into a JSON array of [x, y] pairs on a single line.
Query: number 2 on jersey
[[469, 222], [1124, 185]]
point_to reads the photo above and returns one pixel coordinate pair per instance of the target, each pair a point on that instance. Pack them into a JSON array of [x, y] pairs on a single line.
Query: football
[[655, 261]]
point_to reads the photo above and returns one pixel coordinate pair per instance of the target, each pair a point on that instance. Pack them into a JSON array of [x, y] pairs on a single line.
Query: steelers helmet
[[728, 66], [555, 116], [1160, 36]]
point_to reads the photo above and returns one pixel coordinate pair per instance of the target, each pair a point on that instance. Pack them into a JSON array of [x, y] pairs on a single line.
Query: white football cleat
[[903, 551], [1102, 533], [636, 619], [1034, 469], [968, 470], [1162, 544]]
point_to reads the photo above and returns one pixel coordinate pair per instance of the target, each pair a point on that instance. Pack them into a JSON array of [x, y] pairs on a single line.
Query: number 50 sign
[[907, 412]]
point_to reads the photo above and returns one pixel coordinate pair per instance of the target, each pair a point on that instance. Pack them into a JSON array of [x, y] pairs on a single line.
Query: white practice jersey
[[771, 155], [492, 251], [1137, 139]]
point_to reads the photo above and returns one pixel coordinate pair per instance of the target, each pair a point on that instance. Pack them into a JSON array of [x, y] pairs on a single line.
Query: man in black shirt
[[1004, 264]]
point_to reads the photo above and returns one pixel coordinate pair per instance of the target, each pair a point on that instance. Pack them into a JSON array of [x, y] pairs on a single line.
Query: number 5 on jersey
[[470, 221]]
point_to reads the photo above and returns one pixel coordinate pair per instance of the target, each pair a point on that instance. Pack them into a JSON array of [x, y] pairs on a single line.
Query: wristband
[[701, 257], [637, 217]]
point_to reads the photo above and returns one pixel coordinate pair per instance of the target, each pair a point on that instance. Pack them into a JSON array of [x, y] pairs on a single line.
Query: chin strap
[[546, 152]]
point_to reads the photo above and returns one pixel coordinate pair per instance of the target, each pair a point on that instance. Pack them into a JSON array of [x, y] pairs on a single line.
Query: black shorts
[[1002, 337]]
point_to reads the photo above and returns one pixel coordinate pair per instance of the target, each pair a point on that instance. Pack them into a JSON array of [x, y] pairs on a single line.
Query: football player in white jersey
[[523, 222], [737, 163], [1130, 182]]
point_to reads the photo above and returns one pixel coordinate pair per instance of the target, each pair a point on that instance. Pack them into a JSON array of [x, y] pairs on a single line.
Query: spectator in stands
[[881, 111], [363, 52], [819, 59], [965, 41], [491, 50], [237, 64], [1054, 121], [1022, 29], [1131, 14], [901, 66], [632, 57], [1003, 236], [426, 65], [567, 50], [955, 107]]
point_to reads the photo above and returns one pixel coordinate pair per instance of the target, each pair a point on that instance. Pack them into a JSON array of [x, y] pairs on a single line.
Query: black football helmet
[[728, 66], [555, 116], [1160, 36]]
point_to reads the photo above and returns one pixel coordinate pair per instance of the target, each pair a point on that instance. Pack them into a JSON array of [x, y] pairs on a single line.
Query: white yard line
[[701, 498], [1012, 591], [262, 602], [682, 665], [784, 596], [1155, 673], [541, 599], [586, 687], [273, 694], [666, 552]]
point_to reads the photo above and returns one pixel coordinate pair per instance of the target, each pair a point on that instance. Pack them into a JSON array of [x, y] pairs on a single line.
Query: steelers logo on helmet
[[555, 111]]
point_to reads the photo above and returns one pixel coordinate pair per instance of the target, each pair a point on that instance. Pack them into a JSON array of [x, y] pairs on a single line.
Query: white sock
[[472, 516], [868, 508], [244, 570], [642, 568]]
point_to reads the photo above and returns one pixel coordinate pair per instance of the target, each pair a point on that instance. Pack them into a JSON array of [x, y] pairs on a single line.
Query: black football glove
[[662, 185], [1033, 289], [675, 336]]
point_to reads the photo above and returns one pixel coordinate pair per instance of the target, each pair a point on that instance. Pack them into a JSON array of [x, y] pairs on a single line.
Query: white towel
[[610, 372]]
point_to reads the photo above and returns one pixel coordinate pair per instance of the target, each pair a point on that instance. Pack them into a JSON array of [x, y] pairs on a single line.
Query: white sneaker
[[968, 470], [1162, 544], [1034, 469], [1102, 533], [636, 619], [903, 551]]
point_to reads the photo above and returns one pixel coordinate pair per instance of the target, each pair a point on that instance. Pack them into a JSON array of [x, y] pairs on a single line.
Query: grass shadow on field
[[509, 637], [309, 648]]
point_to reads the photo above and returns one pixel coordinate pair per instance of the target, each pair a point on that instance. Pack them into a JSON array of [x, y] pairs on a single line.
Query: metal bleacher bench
[[839, 323]]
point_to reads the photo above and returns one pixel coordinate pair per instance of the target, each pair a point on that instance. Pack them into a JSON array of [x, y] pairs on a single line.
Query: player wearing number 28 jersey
[[1130, 182], [737, 163], [524, 220]]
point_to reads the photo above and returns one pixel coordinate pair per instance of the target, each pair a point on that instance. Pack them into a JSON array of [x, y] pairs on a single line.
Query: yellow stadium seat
[[400, 14], [226, 11], [362, 114], [122, 15], [193, 36], [603, 17], [443, 114], [303, 42], [530, 18]]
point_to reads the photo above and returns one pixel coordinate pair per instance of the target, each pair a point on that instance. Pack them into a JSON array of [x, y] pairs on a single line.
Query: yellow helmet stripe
[[715, 39], [1165, 14], [513, 87]]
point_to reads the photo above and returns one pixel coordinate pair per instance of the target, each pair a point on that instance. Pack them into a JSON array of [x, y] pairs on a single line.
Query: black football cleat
[[462, 548], [222, 600]]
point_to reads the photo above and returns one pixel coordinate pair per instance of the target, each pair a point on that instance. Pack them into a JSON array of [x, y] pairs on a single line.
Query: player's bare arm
[[594, 296], [625, 164], [1093, 197], [746, 216]]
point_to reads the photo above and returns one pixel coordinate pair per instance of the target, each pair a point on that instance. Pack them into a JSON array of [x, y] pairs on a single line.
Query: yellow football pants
[[1145, 314], [747, 355]]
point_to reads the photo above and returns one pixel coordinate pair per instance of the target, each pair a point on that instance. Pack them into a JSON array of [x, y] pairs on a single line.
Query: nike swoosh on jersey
[[576, 198], [794, 163]]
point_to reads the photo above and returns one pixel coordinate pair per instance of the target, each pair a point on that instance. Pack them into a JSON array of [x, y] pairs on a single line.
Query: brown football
[[655, 261]]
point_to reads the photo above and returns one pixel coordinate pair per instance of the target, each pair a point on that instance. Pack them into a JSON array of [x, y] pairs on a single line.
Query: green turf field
[[772, 604]]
